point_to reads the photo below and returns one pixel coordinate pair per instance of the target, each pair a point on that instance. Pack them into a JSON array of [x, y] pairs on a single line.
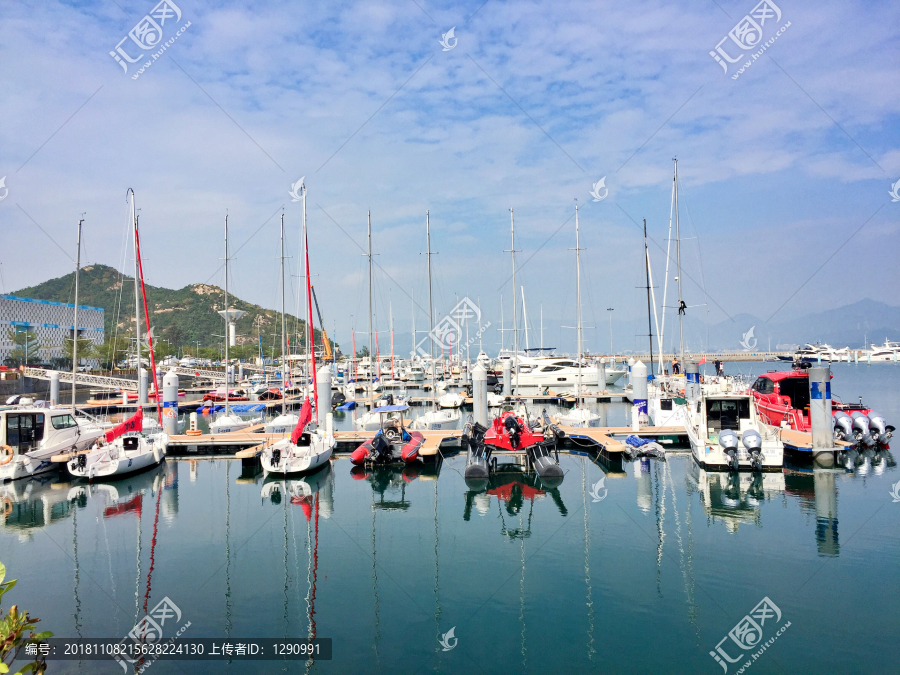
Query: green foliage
[[362, 353], [180, 316], [16, 631], [26, 341]]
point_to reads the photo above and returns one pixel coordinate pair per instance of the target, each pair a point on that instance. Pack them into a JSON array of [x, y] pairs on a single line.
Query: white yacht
[[435, 420], [126, 449], [307, 449], [30, 436], [451, 400], [726, 432], [888, 352], [559, 373]]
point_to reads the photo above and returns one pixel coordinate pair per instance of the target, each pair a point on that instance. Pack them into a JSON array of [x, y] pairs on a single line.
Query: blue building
[[51, 322]]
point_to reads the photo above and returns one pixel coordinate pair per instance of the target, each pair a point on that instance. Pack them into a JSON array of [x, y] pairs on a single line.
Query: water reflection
[[303, 491], [389, 482], [33, 503], [816, 490], [735, 497], [512, 486]]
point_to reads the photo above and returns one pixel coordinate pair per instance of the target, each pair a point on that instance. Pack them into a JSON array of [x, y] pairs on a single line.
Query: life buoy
[[7, 457]]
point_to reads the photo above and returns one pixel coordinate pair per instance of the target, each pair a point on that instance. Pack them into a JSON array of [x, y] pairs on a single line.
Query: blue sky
[[535, 103]]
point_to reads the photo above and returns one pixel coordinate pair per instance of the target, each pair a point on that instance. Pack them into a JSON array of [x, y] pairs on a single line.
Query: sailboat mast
[[430, 302], [284, 368], [307, 333], [578, 303], [391, 320], [75, 327], [137, 295], [371, 353], [227, 322], [678, 261], [524, 318], [515, 364], [647, 266]]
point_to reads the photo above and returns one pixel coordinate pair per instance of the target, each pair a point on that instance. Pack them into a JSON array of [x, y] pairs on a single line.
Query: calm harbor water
[[646, 571]]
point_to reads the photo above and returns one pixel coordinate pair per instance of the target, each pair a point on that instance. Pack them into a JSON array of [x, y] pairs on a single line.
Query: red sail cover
[[305, 417], [133, 423]]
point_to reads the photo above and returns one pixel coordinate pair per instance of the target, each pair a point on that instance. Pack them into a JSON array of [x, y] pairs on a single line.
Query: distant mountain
[[180, 316]]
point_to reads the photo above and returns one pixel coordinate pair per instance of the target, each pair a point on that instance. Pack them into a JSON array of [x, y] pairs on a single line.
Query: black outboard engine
[[514, 430], [478, 457], [880, 431], [276, 456], [82, 461], [753, 442], [381, 449], [843, 427], [337, 399], [729, 442], [861, 429]]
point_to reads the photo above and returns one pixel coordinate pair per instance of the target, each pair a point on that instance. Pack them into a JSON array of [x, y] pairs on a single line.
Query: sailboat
[[309, 446], [579, 416], [125, 448], [226, 421], [436, 418], [285, 421]]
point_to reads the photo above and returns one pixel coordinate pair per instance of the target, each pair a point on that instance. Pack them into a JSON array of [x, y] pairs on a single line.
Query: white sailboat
[[435, 418], [578, 416], [309, 446], [125, 448]]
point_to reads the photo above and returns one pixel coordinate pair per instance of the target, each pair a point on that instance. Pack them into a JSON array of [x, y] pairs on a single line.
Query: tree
[[362, 353], [13, 629], [27, 344], [86, 349]]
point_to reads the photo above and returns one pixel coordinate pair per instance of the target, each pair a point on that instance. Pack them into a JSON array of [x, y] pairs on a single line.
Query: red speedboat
[[511, 431], [783, 397], [392, 443]]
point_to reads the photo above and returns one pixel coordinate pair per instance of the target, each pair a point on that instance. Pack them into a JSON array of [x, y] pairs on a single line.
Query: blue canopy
[[390, 408]]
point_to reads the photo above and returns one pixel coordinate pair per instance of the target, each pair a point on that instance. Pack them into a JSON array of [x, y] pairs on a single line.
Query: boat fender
[[7, 455]]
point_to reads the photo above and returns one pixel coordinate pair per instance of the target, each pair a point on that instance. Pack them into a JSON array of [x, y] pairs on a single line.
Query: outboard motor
[[861, 428], [729, 442], [276, 456], [337, 399], [82, 461], [478, 457], [843, 427], [381, 448], [753, 442], [881, 432], [514, 430]]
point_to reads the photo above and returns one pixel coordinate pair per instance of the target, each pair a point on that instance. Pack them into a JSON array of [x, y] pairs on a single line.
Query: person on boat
[[720, 367], [676, 367], [682, 307]]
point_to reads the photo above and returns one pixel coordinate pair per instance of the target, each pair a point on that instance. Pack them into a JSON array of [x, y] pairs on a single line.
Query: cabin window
[[566, 364], [796, 389], [550, 369], [764, 386], [726, 414], [24, 431], [665, 404], [63, 422]]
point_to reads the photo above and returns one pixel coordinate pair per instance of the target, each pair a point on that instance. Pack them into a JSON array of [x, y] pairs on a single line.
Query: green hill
[[181, 316]]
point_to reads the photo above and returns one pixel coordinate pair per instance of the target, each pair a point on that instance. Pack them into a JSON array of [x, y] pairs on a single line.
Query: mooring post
[[324, 392], [820, 417], [691, 380], [143, 386], [54, 388], [601, 374], [639, 380], [479, 395], [170, 403], [507, 377]]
